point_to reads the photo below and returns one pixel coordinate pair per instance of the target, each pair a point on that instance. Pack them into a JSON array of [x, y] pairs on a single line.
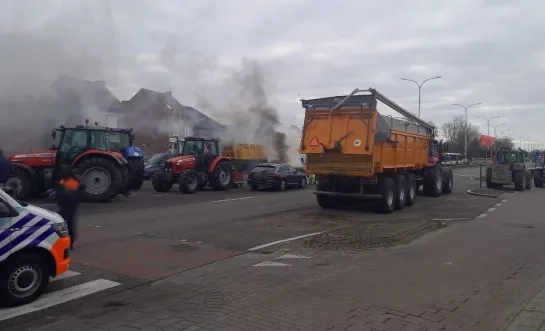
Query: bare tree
[[455, 132]]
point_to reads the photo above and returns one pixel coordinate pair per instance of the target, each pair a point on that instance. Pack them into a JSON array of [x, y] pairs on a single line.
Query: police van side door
[[5, 229]]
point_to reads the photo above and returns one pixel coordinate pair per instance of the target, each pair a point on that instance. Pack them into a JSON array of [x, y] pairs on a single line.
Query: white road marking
[[491, 209], [56, 298], [499, 204], [283, 241], [292, 256], [271, 264], [67, 274], [504, 200], [234, 199], [482, 216], [158, 195]]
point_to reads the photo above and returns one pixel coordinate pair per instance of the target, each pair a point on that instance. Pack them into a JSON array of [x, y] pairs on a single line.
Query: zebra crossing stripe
[[58, 297]]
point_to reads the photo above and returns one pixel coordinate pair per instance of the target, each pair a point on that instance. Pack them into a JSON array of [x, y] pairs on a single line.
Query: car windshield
[[9, 199], [156, 158]]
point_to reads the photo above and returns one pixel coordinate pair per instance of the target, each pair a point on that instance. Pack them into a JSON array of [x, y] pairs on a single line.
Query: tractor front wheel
[[159, 184], [20, 183], [136, 173], [102, 177], [520, 184]]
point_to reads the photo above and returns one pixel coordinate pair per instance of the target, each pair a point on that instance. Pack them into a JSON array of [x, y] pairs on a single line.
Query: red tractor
[[87, 150], [199, 164]]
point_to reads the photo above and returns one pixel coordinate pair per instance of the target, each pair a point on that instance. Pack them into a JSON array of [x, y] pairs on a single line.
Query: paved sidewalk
[[476, 275], [532, 317]]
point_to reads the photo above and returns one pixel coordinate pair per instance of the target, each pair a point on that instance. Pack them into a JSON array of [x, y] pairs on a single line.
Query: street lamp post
[[420, 88], [488, 122], [465, 126], [496, 129]]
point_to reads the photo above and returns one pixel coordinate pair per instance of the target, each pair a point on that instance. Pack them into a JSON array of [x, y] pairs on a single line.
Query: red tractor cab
[[200, 163], [87, 151]]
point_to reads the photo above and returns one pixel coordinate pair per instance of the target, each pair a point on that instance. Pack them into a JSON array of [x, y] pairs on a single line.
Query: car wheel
[[282, 185], [303, 183]]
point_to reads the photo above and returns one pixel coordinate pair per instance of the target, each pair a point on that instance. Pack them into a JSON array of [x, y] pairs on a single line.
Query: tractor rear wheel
[[136, 173], [102, 177], [222, 177], [528, 180], [433, 182], [20, 183], [538, 178]]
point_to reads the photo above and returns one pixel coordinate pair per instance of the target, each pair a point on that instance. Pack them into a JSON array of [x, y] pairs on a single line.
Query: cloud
[[487, 51]]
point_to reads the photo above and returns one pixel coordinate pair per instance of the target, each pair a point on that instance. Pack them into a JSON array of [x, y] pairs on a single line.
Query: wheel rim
[[191, 182], [16, 184], [390, 198], [412, 191], [24, 281], [283, 185], [97, 180], [303, 182], [439, 183], [450, 183], [401, 192], [224, 177]]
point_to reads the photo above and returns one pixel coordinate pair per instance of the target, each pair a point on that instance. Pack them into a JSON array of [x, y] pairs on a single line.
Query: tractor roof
[[94, 128]]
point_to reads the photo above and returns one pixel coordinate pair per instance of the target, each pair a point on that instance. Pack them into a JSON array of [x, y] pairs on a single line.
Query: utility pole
[[488, 122], [420, 88], [465, 125]]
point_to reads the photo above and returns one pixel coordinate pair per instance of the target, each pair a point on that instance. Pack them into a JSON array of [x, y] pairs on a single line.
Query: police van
[[34, 246]]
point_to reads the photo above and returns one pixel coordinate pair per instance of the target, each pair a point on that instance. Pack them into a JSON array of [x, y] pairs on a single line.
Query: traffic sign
[[314, 142]]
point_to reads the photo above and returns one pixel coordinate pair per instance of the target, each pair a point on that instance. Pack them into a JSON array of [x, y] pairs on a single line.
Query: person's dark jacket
[[5, 168]]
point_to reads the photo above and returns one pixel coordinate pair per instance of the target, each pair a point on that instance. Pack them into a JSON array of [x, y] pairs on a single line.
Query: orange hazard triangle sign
[[314, 142]]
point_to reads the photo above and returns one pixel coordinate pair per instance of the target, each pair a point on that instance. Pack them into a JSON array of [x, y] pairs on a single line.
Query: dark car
[[156, 163], [276, 176]]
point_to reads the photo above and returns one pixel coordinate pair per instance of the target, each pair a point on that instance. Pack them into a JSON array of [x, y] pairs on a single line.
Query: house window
[[112, 121]]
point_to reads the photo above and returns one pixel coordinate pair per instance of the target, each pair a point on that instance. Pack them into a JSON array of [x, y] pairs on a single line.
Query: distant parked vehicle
[[156, 163], [276, 176], [454, 159]]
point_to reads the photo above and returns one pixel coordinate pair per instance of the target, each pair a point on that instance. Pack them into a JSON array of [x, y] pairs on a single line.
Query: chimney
[[100, 82], [168, 94]]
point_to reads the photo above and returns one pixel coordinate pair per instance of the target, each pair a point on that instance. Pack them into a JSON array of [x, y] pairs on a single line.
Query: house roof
[[93, 93], [190, 114]]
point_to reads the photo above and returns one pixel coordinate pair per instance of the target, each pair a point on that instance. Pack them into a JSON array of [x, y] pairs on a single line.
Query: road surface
[[133, 241]]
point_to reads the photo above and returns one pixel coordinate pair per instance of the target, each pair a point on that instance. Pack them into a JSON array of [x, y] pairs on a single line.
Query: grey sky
[[487, 51]]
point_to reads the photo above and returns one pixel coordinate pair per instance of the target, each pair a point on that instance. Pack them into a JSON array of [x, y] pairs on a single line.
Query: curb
[[471, 192]]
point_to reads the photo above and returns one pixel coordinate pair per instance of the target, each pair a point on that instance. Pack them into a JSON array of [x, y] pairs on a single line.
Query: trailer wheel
[[538, 178], [401, 191], [411, 189], [520, 184], [387, 190], [448, 185], [433, 182]]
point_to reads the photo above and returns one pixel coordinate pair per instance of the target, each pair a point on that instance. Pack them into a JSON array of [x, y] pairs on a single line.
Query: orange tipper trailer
[[357, 153]]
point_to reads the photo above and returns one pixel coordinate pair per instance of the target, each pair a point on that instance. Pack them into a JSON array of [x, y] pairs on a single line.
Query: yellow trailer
[[357, 153]]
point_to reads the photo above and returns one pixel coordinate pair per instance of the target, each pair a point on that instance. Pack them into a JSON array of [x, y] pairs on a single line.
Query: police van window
[[4, 210]]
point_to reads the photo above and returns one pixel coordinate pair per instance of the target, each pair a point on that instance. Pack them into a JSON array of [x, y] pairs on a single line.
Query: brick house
[[155, 116]]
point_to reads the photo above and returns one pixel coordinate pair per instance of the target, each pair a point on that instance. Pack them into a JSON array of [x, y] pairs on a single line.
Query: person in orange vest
[[68, 197]]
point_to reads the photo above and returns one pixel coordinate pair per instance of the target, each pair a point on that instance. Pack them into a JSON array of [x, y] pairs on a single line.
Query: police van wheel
[[23, 279]]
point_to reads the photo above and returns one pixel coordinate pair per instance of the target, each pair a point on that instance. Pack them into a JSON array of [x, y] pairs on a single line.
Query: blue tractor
[[122, 140]]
